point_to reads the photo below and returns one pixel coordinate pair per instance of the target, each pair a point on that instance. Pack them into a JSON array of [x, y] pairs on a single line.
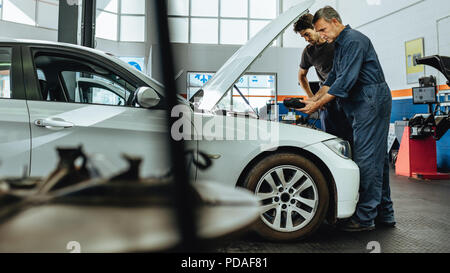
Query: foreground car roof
[[151, 82], [236, 66]]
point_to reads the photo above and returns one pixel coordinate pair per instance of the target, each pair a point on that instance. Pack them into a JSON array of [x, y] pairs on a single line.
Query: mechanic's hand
[[311, 107]]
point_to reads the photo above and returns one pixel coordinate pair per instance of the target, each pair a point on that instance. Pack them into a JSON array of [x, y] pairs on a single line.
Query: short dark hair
[[303, 23], [327, 13]]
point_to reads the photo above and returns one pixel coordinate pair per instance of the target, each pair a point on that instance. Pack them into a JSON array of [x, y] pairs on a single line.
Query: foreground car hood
[[268, 134], [236, 66]]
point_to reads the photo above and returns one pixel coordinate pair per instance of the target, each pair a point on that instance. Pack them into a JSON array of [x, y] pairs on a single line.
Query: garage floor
[[423, 225]]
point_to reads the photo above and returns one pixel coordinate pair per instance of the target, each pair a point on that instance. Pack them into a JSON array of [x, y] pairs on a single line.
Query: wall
[[390, 32]]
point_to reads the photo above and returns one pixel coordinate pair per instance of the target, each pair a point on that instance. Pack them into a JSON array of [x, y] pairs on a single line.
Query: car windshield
[[234, 101]]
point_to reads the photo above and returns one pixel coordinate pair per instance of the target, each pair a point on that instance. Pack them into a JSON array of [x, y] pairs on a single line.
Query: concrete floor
[[423, 225]]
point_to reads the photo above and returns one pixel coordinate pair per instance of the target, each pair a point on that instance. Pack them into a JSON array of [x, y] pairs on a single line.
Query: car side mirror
[[147, 97]]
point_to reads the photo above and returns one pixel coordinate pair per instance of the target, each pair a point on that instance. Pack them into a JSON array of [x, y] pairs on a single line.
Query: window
[[40, 13], [48, 14], [179, 30], [20, 11], [132, 20], [263, 9], [108, 5], [107, 19], [258, 89], [93, 89], [290, 38], [256, 26], [122, 20], [65, 79], [5, 72], [133, 7], [234, 8], [209, 8], [233, 31], [204, 31], [178, 7], [131, 28], [219, 21]]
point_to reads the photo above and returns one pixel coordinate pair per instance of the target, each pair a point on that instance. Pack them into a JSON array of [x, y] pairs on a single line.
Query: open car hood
[[236, 66]]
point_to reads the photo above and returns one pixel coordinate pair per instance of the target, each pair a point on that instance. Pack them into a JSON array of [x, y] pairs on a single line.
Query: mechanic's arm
[[341, 85], [322, 91], [304, 83], [313, 106]]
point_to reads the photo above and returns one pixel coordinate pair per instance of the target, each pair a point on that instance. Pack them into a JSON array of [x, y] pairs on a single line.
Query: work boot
[[379, 223], [353, 225]]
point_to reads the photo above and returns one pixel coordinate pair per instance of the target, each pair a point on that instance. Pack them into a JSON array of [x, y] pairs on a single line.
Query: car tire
[[305, 201]]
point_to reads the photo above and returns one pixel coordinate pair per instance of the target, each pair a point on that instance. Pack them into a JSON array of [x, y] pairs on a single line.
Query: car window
[[91, 88], [66, 79], [41, 75], [5, 72]]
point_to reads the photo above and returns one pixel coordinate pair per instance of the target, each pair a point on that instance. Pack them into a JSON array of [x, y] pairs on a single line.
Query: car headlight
[[341, 147]]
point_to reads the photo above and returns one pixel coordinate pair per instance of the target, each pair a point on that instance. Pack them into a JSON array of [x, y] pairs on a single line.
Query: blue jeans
[[369, 111]]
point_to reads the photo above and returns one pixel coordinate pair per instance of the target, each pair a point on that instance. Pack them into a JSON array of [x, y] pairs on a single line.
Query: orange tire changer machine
[[417, 155]]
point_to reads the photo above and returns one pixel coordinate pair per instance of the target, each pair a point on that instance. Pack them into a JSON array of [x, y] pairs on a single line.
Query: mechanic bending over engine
[[320, 54], [357, 83]]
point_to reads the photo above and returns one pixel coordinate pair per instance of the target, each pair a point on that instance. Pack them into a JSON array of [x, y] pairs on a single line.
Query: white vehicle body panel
[[235, 155], [346, 178], [14, 137], [106, 130]]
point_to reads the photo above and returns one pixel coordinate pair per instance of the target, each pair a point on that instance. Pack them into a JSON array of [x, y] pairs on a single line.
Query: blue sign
[[203, 78], [135, 65]]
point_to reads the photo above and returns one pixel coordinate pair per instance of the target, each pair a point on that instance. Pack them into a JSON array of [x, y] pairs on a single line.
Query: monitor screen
[[423, 95]]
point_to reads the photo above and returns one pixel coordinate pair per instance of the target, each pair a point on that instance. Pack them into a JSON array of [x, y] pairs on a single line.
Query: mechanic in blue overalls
[[320, 54], [358, 85]]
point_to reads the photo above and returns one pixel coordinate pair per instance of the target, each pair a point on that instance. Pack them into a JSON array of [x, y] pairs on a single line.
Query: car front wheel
[[293, 194]]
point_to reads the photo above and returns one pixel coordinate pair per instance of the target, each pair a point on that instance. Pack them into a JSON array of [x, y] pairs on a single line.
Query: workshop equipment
[[417, 155]]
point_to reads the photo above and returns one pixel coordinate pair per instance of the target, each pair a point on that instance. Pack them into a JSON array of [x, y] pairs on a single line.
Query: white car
[[55, 95]]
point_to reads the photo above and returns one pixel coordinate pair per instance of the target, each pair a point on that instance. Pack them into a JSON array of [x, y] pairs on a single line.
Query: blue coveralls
[[358, 82], [334, 121]]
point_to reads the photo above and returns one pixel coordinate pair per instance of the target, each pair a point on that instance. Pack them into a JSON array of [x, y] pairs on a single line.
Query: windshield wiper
[[246, 101]]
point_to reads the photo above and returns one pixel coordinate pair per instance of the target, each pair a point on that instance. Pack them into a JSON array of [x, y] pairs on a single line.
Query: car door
[[14, 120], [76, 98]]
